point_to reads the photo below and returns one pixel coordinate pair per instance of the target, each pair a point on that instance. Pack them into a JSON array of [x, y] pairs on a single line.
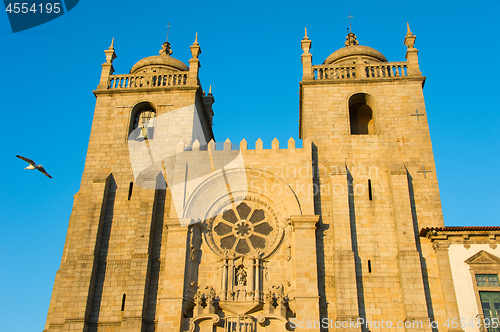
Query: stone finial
[[351, 40], [411, 53], [409, 38], [291, 143], [306, 58], [110, 52], [166, 49], [194, 63], [107, 67], [306, 43], [195, 48], [243, 144], [210, 90]]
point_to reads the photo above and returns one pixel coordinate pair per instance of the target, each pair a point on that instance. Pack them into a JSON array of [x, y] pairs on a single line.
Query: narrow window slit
[[130, 188], [370, 196], [369, 266], [123, 301]]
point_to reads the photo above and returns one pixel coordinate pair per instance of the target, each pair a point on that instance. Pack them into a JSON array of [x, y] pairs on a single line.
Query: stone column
[[171, 289], [230, 277], [258, 292], [306, 270], [251, 277], [224, 280]]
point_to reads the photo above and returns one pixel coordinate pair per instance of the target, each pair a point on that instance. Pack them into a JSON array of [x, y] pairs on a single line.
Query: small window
[[130, 189], [487, 280], [123, 301], [370, 195]]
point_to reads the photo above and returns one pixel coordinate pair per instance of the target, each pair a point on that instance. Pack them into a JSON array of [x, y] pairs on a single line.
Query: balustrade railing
[[391, 69], [385, 69], [146, 81], [334, 72]]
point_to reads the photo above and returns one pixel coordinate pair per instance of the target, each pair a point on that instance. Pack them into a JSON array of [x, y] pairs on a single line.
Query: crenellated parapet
[[242, 146]]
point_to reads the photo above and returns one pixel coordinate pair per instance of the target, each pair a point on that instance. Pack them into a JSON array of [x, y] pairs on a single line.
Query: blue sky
[[251, 57]]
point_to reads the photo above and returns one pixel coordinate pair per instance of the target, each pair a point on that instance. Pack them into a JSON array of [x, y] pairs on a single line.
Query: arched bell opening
[[142, 117], [361, 114]]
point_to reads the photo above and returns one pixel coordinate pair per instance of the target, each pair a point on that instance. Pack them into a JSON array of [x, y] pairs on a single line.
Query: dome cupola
[[353, 51], [162, 63]]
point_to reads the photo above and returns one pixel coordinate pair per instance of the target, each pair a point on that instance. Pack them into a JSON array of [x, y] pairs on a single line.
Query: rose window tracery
[[244, 227]]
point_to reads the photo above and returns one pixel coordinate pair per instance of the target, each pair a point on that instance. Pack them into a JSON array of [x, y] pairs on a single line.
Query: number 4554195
[[24, 8]]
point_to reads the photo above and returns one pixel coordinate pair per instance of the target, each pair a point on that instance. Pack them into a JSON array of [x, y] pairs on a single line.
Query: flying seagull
[[33, 165]]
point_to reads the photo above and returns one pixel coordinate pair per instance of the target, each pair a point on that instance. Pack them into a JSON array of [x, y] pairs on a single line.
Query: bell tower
[[377, 186], [111, 261]]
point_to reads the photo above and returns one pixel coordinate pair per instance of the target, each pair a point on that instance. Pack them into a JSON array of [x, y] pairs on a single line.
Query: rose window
[[244, 227]]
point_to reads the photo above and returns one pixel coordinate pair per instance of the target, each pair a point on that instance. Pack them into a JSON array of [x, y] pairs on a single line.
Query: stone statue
[[241, 276]]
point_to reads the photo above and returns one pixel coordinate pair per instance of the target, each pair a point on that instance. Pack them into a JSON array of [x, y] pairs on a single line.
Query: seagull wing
[[31, 162], [41, 169]]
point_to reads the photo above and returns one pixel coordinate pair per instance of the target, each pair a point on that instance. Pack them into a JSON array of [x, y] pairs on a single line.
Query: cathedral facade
[[170, 233]]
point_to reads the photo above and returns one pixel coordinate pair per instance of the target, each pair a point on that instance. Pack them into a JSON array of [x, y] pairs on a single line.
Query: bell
[[143, 133]]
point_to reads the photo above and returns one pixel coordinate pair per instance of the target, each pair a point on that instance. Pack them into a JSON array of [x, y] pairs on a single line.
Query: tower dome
[[160, 63], [352, 51]]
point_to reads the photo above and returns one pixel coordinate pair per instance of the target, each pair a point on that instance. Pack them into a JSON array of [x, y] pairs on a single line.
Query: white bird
[[33, 165]]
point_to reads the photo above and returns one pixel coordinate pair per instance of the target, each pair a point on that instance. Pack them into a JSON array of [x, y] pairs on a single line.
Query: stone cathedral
[[173, 232]]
